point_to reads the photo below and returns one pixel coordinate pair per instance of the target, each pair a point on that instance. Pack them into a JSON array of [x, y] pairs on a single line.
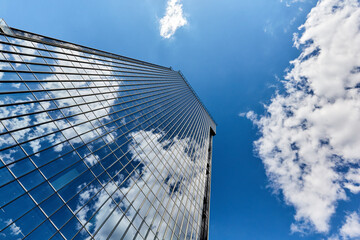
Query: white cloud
[[351, 227], [99, 109], [173, 19], [166, 163], [290, 2], [312, 130], [14, 229], [269, 28], [353, 180]]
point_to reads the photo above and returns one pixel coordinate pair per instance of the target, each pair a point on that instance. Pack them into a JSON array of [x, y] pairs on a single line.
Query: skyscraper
[[94, 145]]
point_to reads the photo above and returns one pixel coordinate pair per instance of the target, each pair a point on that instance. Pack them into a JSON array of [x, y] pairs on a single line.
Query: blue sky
[[234, 54]]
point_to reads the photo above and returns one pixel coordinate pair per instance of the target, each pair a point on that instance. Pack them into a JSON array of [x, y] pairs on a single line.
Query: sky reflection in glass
[[97, 145]]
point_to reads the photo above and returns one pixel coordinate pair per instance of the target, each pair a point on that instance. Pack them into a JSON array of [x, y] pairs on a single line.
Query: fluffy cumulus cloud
[[173, 19], [351, 228], [310, 138]]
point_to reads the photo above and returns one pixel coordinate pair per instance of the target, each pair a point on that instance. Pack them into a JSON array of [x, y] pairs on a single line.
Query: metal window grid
[[97, 145]]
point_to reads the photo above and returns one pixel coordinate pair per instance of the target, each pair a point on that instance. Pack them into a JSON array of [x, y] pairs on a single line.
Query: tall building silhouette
[[94, 145]]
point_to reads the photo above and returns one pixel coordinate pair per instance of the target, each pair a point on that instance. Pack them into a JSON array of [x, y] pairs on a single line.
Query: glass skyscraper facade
[[95, 145]]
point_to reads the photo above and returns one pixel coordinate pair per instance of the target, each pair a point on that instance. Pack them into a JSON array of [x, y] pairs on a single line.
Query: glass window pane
[[39, 68], [10, 192], [9, 76]]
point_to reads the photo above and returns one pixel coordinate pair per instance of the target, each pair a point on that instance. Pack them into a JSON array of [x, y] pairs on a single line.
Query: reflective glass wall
[[98, 146]]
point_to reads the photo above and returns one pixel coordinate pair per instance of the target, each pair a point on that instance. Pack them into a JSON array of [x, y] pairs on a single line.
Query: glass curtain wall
[[98, 146]]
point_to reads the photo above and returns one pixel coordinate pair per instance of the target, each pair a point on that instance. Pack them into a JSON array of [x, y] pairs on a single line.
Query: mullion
[[47, 180], [130, 188], [52, 99], [95, 76], [90, 52], [157, 84], [116, 77], [80, 135], [182, 124], [145, 183], [81, 88], [159, 89], [163, 122], [64, 154], [189, 194], [162, 200], [206, 138], [107, 183], [109, 73], [86, 68], [78, 114], [44, 201], [42, 166], [213, 123], [185, 128], [125, 153], [199, 185], [98, 125], [189, 129], [182, 185], [155, 199], [159, 125], [146, 103], [209, 160], [157, 209], [199, 127], [77, 61], [124, 62], [27, 192], [122, 79]]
